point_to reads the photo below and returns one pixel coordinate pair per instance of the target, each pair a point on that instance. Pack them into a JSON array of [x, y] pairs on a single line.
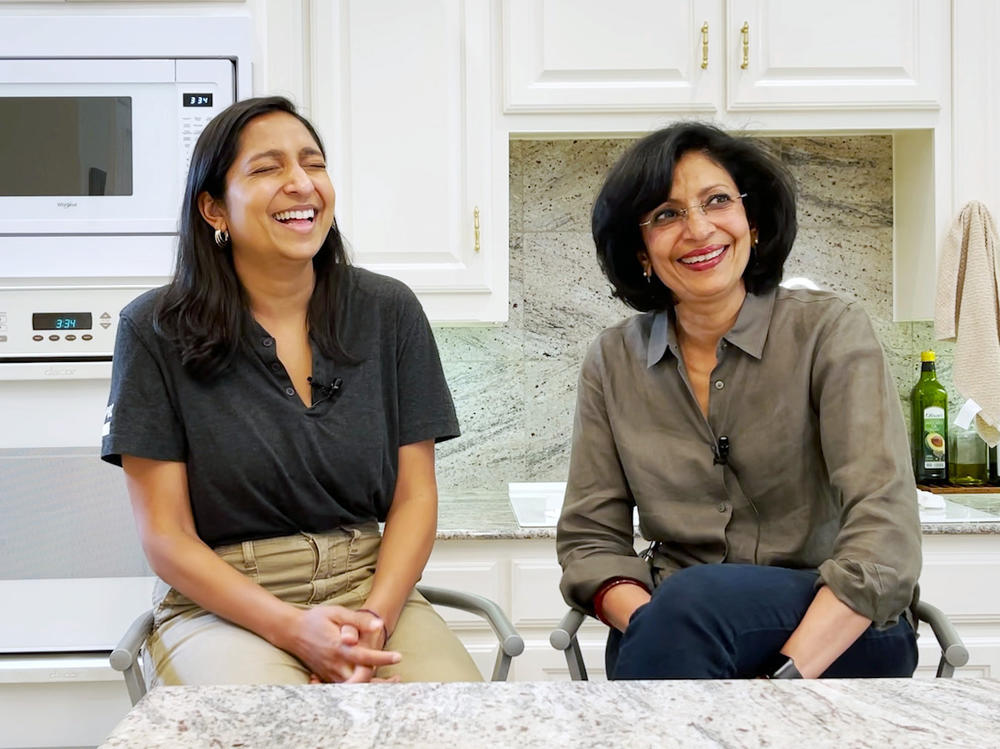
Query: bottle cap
[[926, 356]]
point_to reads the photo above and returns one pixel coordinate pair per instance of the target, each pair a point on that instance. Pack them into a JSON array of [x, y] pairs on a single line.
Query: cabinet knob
[[704, 46], [745, 34], [475, 226]]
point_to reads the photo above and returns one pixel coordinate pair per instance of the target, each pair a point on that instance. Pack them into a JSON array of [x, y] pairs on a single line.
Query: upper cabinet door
[[847, 54], [402, 91], [595, 56]]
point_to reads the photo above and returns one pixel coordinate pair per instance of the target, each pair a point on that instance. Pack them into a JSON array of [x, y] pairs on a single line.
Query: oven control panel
[[61, 324]]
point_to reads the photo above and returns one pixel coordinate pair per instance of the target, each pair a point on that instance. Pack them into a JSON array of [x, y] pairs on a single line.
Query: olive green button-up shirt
[[817, 474]]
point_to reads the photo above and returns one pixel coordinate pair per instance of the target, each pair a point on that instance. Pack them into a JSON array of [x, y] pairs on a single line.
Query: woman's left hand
[[827, 630]]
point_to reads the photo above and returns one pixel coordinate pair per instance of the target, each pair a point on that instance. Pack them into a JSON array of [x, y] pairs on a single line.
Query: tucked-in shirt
[[259, 462], [817, 474]]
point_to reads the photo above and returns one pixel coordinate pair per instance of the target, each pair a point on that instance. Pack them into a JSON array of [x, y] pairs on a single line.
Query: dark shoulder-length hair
[[641, 180], [204, 310]]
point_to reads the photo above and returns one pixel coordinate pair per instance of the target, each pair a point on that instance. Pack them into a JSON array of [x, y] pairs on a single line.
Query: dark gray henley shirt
[[259, 463]]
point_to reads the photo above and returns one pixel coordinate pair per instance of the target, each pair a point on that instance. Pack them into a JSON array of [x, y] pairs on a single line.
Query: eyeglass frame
[[683, 213]]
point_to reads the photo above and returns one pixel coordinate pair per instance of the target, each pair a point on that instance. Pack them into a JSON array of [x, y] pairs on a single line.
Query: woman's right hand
[[322, 639]]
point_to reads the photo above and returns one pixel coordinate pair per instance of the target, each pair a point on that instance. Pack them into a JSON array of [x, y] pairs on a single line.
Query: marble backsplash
[[514, 384]]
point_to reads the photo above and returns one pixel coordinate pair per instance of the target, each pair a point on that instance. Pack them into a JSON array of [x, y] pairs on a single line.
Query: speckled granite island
[[825, 713]]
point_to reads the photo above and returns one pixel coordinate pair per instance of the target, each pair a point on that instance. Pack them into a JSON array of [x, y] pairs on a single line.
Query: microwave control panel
[[200, 96], [61, 323]]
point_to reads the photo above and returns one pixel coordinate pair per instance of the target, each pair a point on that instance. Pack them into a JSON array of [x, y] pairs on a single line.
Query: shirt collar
[[748, 333]]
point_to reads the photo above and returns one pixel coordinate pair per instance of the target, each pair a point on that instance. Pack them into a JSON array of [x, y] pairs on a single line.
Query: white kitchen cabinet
[[851, 54], [522, 576], [588, 55], [959, 577], [402, 93], [713, 57]]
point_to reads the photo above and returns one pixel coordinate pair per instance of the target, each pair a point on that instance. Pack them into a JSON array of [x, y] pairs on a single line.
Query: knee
[[696, 593]]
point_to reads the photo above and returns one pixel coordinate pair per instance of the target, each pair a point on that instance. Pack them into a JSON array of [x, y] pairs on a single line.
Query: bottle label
[[934, 439]]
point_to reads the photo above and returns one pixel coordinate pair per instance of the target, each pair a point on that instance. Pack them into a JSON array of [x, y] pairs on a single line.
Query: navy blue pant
[[728, 621]]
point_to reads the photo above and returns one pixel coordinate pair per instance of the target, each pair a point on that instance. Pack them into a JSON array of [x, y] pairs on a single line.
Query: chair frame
[[125, 656], [954, 654]]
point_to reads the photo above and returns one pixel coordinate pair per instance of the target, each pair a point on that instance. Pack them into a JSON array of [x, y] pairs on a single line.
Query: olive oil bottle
[[929, 422]]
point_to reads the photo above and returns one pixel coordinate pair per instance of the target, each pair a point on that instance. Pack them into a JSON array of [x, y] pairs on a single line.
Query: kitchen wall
[[514, 385]]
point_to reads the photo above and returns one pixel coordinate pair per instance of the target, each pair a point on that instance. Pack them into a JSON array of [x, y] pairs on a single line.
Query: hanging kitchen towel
[[968, 312]]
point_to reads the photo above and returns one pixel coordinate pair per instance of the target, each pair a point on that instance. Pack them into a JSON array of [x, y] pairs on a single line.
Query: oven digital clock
[[62, 321]]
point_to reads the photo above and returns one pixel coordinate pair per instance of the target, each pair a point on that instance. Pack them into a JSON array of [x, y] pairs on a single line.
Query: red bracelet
[[603, 591], [385, 631]]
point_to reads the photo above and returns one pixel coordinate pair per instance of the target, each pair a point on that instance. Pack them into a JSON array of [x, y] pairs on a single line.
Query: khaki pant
[[189, 645]]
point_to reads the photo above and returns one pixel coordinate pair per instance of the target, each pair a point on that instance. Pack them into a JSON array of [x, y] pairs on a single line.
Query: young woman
[[269, 407], [757, 430]]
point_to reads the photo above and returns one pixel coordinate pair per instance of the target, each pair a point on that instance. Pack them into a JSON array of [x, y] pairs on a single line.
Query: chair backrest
[[126, 655], [954, 654]]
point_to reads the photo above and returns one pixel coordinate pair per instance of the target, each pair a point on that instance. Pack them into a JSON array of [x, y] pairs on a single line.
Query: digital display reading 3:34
[[62, 321]]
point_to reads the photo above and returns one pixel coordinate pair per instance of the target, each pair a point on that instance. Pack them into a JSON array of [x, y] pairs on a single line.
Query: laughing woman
[[269, 407], [757, 430]]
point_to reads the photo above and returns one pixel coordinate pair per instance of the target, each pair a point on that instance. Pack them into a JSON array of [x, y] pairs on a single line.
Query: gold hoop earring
[[222, 238]]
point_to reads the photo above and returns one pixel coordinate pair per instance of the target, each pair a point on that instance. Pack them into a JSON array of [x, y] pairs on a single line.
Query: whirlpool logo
[[66, 204]]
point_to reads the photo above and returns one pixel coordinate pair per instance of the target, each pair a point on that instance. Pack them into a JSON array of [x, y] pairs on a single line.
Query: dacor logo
[[60, 372]]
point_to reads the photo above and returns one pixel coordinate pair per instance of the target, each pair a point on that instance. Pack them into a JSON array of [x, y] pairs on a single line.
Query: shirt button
[[275, 366], [267, 341], [289, 391], [719, 384], [723, 507]]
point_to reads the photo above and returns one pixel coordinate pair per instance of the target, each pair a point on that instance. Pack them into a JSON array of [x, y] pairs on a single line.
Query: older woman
[[757, 430], [269, 407]]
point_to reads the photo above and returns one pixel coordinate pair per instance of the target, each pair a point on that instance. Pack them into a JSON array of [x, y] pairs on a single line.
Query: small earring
[[222, 238], [649, 275]]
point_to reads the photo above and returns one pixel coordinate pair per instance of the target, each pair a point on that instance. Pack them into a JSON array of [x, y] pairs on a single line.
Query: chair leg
[[502, 666], [134, 683], [574, 661]]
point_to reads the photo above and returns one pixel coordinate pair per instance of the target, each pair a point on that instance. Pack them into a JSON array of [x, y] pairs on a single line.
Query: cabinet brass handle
[[745, 33], [475, 226], [704, 46]]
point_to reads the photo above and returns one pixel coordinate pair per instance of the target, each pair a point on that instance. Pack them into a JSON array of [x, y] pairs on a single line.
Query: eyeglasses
[[717, 205]]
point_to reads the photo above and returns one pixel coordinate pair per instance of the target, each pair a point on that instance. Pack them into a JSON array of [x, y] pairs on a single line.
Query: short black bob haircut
[[641, 180], [204, 310]]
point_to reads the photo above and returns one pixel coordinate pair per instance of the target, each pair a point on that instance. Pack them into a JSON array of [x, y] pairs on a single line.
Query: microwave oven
[[95, 155], [102, 146]]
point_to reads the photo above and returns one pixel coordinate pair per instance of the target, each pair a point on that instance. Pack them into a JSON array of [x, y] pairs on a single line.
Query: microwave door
[[66, 146]]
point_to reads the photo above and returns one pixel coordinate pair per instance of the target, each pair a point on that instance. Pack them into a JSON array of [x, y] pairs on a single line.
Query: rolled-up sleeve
[[876, 557], [594, 535]]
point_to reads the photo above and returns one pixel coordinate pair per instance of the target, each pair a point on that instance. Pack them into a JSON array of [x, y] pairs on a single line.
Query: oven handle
[[56, 368]]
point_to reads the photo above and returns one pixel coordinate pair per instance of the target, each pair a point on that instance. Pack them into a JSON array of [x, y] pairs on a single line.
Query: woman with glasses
[[269, 407], [756, 429]]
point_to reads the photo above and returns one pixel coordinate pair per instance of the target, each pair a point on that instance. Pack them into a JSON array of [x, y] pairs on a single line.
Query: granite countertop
[[753, 713], [490, 515]]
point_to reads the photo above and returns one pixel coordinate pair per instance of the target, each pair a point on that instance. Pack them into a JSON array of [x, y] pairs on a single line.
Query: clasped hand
[[340, 645]]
